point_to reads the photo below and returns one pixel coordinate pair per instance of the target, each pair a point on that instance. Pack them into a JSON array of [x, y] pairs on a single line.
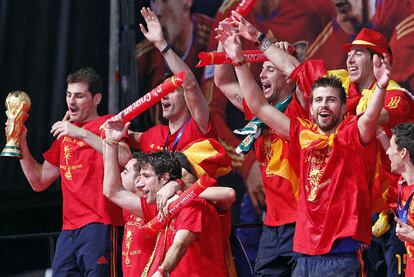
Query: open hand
[[115, 129], [154, 33], [382, 70]]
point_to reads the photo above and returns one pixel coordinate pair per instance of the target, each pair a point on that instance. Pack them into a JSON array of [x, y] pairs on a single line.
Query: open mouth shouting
[[267, 88], [165, 105]]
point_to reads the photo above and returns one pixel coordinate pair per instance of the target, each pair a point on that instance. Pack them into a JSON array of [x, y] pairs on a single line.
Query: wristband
[[165, 50], [240, 63], [376, 84], [111, 142], [260, 39], [266, 43]]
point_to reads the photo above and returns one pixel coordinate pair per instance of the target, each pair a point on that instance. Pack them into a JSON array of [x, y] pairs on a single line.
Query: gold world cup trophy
[[17, 107]]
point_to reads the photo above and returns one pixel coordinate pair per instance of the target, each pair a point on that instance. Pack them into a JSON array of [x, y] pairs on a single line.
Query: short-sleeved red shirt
[[81, 170], [280, 172], [205, 255], [334, 199], [153, 140], [136, 246]]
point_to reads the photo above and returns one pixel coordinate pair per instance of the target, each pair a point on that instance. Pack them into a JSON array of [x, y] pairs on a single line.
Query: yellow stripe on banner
[[320, 40]]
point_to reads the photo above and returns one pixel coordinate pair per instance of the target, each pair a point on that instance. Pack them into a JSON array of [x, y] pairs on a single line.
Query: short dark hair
[[404, 138], [164, 162], [88, 76], [141, 158], [329, 81]]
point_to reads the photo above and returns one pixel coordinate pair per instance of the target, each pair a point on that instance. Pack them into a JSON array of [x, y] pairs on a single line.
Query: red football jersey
[[81, 169], [328, 46], [335, 198], [136, 246], [154, 139], [205, 255]]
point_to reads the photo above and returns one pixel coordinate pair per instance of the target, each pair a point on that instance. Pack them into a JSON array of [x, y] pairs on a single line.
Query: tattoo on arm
[[238, 97]]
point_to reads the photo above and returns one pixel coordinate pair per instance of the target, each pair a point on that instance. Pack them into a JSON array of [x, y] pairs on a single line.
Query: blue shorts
[[329, 265], [92, 250], [385, 255], [275, 256]]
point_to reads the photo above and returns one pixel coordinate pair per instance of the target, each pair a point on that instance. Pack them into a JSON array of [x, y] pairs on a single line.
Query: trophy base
[[11, 151]]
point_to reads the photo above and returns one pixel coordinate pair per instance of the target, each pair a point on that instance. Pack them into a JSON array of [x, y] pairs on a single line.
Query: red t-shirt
[[280, 172], [81, 170], [136, 246], [205, 255], [334, 199], [328, 46], [406, 191], [399, 104], [153, 140]]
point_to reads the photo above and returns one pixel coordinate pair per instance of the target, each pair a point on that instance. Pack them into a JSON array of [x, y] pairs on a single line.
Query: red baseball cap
[[370, 39]]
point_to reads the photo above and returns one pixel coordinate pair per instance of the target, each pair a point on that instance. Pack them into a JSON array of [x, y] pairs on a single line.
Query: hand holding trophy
[[17, 107]]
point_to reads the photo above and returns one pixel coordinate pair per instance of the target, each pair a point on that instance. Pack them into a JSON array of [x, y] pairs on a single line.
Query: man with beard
[[359, 83], [277, 19], [186, 33], [333, 219]]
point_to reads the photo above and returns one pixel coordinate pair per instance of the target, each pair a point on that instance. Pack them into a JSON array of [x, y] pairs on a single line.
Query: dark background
[[41, 41]]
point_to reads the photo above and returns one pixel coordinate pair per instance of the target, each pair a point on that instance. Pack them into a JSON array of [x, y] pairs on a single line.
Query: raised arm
[[40, 176], [283, 61], [222, 197], [368, 122], [112, 184], [196, 102], [225, 79], [250, 90]]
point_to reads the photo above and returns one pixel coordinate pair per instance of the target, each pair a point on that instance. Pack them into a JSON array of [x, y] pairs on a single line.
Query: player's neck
[[366, 83], [176, 123], [408, 174], [282, 95]]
